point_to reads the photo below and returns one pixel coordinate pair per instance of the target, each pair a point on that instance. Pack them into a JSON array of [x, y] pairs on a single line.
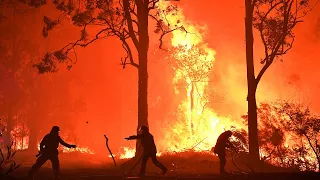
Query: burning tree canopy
[[193, 68], [196, 125], [289, 135]]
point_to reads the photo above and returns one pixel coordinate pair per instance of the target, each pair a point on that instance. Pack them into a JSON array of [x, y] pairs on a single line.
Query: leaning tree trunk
[[252, 85], [143, 68]]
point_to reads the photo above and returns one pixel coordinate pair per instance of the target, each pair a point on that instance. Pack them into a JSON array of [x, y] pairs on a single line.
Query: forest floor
[[181, 166]]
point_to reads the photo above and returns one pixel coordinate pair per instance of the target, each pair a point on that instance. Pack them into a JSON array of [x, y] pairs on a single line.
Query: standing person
[[149, 150], [49, 150], [220, 149]]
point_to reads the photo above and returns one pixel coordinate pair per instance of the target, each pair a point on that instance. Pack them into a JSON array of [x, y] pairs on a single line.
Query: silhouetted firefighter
[[149, 150], [220, 148], [49, 150]]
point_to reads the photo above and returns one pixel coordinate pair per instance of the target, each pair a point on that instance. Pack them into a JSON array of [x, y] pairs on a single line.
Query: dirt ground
[[182, 166]]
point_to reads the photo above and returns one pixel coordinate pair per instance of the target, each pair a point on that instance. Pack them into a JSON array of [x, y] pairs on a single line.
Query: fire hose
[[233, 155], [241, 171], [110, 150], [136, 162]]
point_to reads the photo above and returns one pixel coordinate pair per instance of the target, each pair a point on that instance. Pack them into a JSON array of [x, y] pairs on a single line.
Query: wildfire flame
[[197, 126], [128, 153], [20, 136], [78, 149]]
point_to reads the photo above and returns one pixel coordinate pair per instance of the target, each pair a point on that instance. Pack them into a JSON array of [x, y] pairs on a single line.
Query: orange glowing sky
[[111, 92]]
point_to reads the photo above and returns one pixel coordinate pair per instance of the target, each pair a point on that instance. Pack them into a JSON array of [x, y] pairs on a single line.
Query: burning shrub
[[7, 163], [239, 140], [289, 135]]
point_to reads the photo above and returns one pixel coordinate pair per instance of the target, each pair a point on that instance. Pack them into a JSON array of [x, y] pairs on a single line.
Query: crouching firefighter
[[220, 149], [149, 150], [49, 151]]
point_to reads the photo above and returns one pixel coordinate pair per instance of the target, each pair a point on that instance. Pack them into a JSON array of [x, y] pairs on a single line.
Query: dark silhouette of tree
[[127, 20], [275, 21]]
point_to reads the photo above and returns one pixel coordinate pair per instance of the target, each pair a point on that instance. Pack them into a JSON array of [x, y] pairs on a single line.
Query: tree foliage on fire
[[193, 68], [289, 135], [275, 21]]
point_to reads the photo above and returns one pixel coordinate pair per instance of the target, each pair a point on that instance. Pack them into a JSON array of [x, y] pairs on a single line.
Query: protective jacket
[[50, 144], [222, 143]]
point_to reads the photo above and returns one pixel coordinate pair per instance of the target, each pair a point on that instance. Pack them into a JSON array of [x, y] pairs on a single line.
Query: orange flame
[[20, 136], [197, 126], [78, 149], [128, 153]]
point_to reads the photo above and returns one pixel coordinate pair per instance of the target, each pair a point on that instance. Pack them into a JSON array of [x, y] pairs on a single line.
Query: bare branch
[[126, 47], [127, 15], [165, 32], [152, 4]]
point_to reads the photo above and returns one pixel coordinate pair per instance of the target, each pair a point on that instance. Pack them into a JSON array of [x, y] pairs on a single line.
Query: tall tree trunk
[[142, 95], [7, 134], [143, 68], [33, 136], [252, 85]]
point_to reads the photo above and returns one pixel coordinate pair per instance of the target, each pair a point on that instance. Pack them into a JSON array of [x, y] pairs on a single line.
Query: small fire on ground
[[127, 153]]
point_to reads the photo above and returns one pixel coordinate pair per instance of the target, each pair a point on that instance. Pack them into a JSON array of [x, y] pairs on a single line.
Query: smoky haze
[[97, 96]]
